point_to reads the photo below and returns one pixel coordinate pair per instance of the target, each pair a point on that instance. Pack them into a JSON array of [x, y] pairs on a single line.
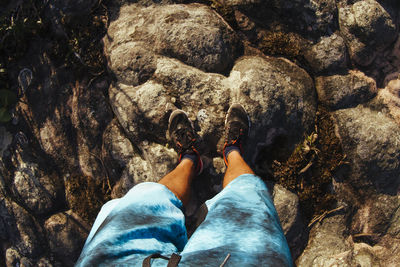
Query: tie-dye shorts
[[241, 221]]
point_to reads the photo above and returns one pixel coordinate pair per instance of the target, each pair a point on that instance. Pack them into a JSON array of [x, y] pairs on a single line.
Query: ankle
[[235, 153], [192, 157], [229, 149]]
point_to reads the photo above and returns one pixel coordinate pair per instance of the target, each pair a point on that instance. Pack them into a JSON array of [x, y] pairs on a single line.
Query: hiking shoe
[[182, 135], [237, 125]]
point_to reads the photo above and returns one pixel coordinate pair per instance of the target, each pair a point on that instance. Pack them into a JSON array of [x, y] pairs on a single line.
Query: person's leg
[[149, 218], [236, 167], [180, 179], [241, 220]]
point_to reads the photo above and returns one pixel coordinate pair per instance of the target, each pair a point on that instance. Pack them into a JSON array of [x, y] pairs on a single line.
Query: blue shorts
[[241, 221]]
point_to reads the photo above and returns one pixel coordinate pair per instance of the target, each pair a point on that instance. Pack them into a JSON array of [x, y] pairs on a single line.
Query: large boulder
[[345, 91], [20, 233], [328, 55], [371, 141], [66, 234], [288, 208], [327, 244], [388, 100], [193, 33], [316, 17], [35, 186], [367, 27], [278, 95]]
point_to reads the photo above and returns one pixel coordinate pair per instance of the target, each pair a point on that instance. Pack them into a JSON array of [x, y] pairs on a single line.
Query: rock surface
[[80, 138], [193, 33], [371, 142], [367, 27], [345, 91], [288, 208], [328, 55], [67, 234]]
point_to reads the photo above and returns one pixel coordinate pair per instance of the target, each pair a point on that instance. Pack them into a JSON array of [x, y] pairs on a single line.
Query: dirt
[[86, 196], [308, 171]]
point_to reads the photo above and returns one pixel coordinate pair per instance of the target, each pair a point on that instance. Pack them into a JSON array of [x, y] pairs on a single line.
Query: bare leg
[[236, 167], [180, 179]]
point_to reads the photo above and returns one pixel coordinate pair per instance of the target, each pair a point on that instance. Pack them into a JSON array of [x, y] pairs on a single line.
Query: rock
[[5, 140], [315, 17], [345, 91], [331, 245], [90, 116], [280, 100], [66, 234], [37, 190], [367, 27], [13, 258], [117, 150], [192, 33], [234, 3], [388, 100], [157, 161], [394, 228], [328, 55], [371, 141], [376, 216], [327, 244], [33, 184], [44, 262], [287, 206], [23, 233]]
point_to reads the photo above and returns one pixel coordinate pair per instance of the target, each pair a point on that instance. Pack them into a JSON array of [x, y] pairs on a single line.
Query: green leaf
[[7, 98], [4, 115]]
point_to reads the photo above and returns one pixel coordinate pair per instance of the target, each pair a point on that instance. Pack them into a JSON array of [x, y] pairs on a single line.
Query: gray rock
[[66, 234], [388, 100], [371, 141], [155, 163], [193, 33], [367, 27], [280, 100], [117, 150], [5, 140], [90, 116], [345, 91], [311, 16], [327, 244], [12, 257], [44, 262], [376, 216], [287, 206], [278, 96], [36, 190], [242, 2], [23, 232], [328, 55], [394, 228]]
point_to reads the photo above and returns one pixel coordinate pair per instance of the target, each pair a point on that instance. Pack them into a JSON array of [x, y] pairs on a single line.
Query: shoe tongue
[[185, 137], [234, 129]]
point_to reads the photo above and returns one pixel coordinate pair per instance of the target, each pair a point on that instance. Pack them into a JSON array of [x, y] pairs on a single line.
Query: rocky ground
[[93, 82]]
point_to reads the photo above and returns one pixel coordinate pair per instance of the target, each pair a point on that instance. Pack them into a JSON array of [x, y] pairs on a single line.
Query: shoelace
[[186, 137], [233, 142]]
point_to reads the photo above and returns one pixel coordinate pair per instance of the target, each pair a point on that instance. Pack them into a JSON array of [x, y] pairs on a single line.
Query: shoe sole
[[247, 115]]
